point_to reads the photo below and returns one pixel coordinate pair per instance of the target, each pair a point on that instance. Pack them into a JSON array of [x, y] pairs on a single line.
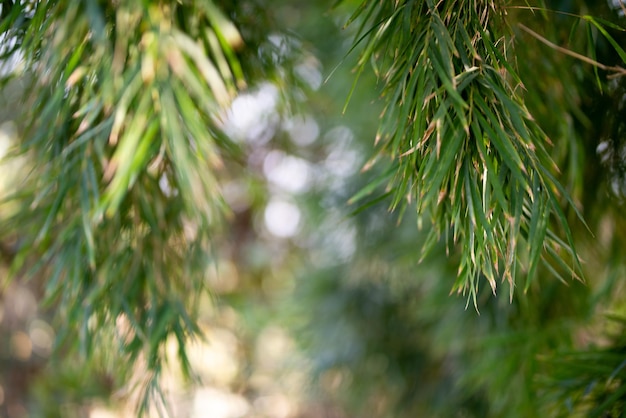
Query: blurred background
[[322, 308]]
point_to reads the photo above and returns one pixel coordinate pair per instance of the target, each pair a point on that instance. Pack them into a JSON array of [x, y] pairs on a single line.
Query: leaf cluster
[[126, 105], [464, 146]]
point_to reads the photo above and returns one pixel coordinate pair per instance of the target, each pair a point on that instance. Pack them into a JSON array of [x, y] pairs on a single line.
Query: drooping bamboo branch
[[465, 147]]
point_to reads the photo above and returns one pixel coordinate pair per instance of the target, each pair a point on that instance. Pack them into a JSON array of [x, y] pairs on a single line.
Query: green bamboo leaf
[[131, 90], [473, 196], [357, 12], [443, 165], [536, 238], [223, 26], [445, 77], [53, 211], [553, 184], [219, 55], [558, 260], [497, 186], [365, 56], [85, 206], [371, 186], [514, 112], [444, 45], [591, 41], [568, 233], [612, 41], [96, 133], [205, 66], [74, 59], [402, 182], [371, 203], [497, 135], [130, 158]]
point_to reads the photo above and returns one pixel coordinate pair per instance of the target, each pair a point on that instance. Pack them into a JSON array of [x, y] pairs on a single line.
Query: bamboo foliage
[[123, 201], [588, 382], [464, 146], [122, 205]]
